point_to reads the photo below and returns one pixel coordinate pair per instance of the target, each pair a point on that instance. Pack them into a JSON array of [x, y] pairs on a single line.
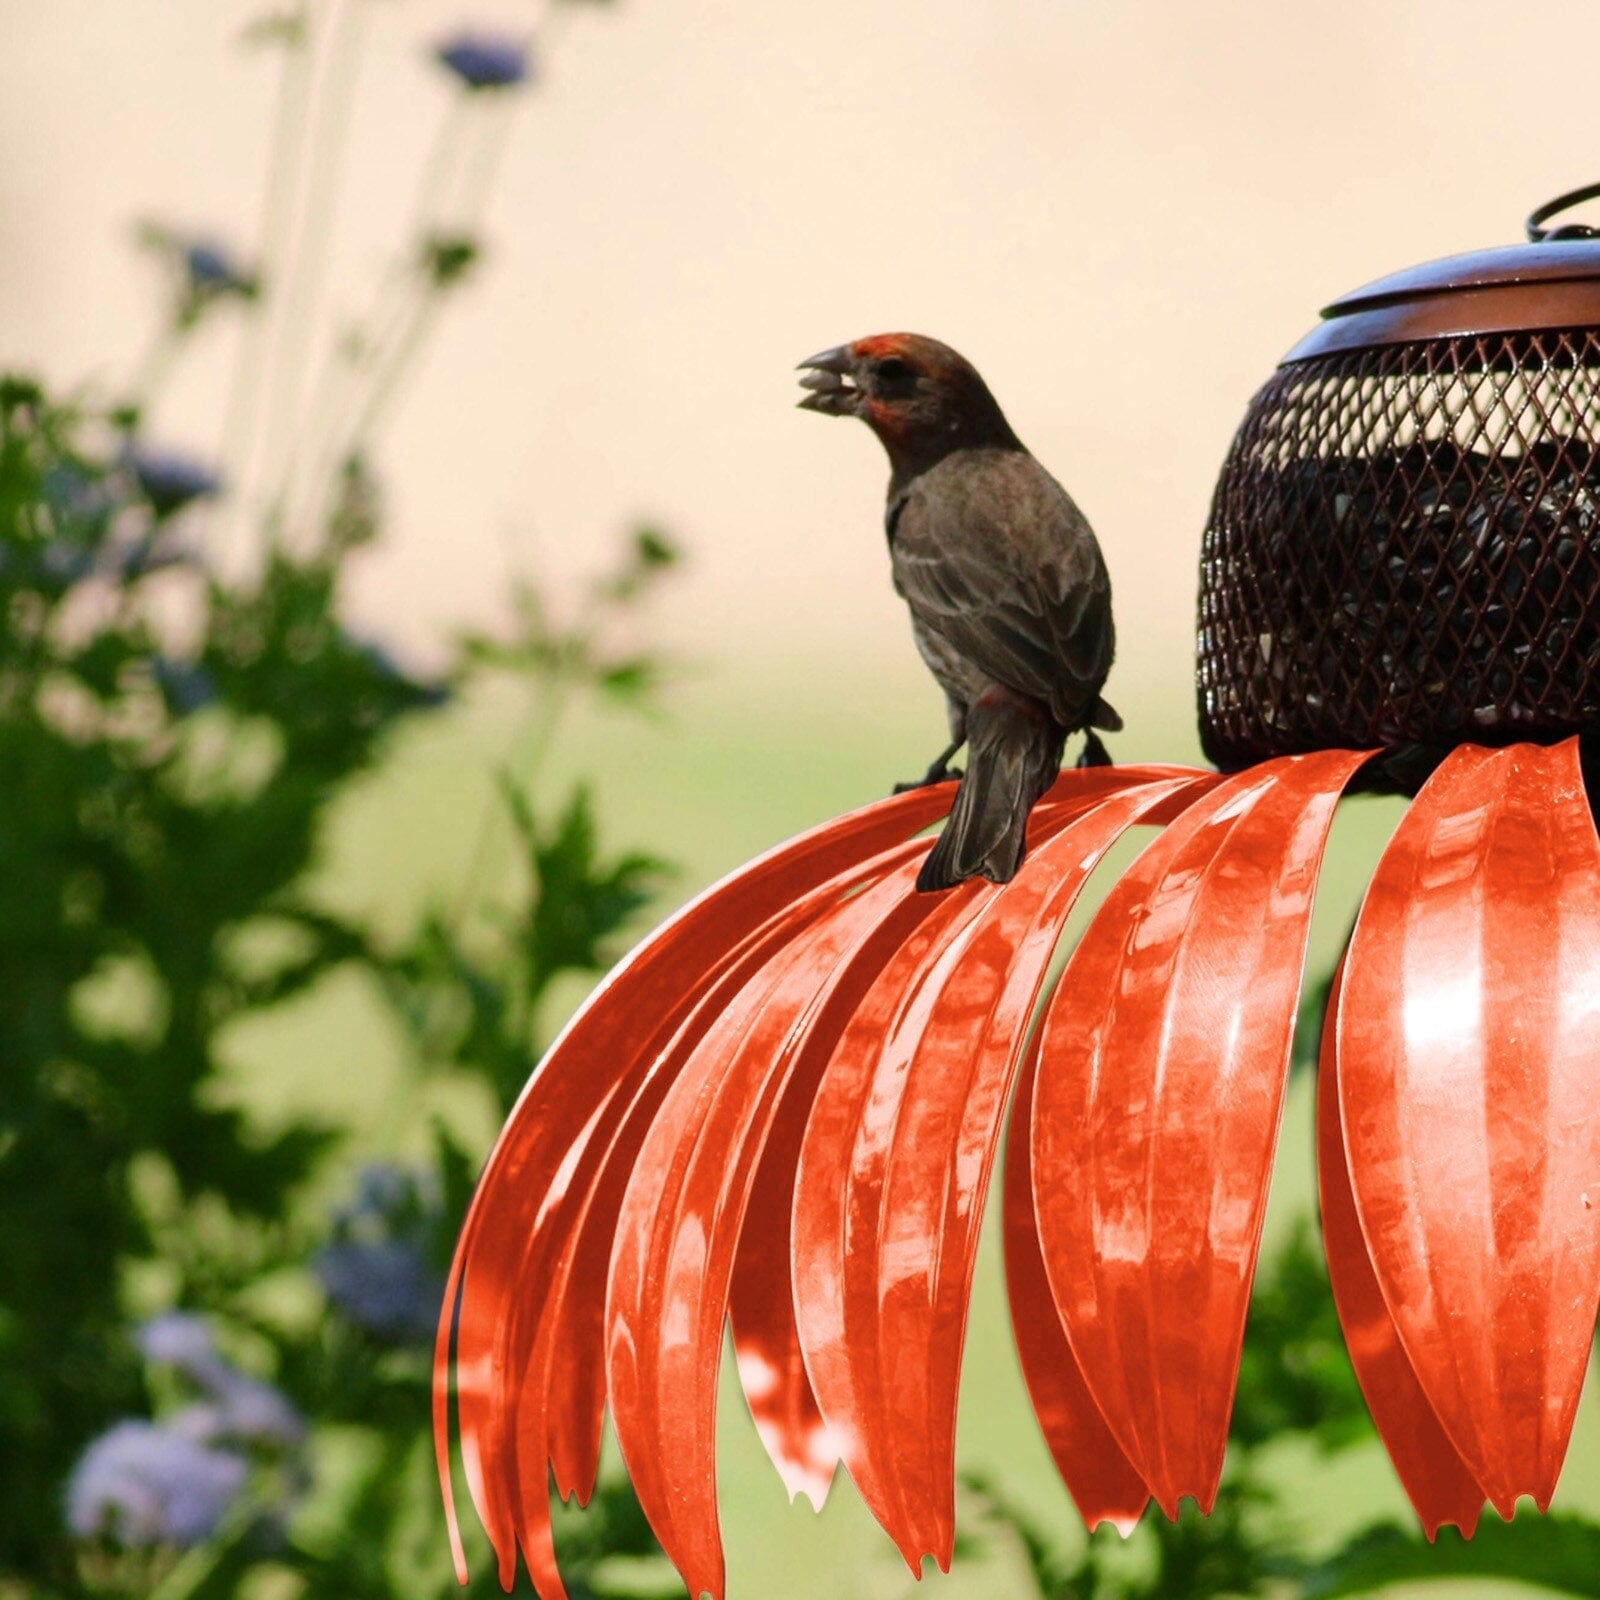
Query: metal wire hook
[[1538, 233]]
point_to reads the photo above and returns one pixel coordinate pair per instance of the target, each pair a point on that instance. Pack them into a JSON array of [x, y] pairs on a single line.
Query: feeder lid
[[1553, 281]]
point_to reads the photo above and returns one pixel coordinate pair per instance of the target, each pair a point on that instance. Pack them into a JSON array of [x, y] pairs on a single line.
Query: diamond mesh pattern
[[1404, 551]]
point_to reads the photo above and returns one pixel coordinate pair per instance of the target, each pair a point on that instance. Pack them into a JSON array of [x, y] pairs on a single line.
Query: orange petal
[[765, 1330], [1432, 1473], [897, 1164], [681, 1216], [1162, 1065], [553, 1148], [1469, 1067], [1104, 1485]]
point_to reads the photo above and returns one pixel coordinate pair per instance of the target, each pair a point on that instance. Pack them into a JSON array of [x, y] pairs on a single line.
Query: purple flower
[[254, 1412], [171, 481], [484, 60], [377, 1270], [243, 1411], [143, 1485], [237, 1408], [181, 1340]]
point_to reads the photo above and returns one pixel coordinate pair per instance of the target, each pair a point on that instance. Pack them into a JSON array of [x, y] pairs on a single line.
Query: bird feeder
[[1404, 546], [782, 1111]]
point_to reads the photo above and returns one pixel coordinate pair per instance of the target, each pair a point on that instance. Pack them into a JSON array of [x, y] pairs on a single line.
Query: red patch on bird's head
[[926, 357], [915, 389]]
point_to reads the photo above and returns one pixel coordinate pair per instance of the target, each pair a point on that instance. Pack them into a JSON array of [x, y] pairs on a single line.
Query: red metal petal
[[766, 1336], [765, 1333], [553, 1342], [1469, 1059], [1431, 1471], [897, 1163], [1162, 1065], [681, 1217], [1104, 1485], [554, 1142], [834, 1307]]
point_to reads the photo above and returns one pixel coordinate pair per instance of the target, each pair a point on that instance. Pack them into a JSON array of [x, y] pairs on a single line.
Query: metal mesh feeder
[[1404, 546]]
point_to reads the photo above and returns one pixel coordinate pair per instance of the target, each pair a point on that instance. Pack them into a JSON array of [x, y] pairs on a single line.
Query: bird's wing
[[995, 560]]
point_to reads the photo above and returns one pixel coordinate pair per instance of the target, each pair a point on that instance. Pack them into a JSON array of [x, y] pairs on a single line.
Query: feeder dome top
[[1552, 281]]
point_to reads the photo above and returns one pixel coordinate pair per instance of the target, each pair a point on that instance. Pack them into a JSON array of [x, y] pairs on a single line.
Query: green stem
[[328, 420], [155, 366], [304, 278], [525, 755], [286, 148]]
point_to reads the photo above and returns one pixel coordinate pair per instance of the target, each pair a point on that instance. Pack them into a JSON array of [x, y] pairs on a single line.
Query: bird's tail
[[1013, 755]]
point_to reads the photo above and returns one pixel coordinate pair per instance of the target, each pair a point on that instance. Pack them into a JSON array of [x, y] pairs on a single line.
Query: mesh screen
[[1404, 550]]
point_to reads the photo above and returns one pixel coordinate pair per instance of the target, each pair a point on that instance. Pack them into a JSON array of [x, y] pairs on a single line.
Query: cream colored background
[[1122, 213]]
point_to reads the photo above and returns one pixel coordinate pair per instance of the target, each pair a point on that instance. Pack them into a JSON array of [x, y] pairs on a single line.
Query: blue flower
[[171, 481], [386, 1287], [75, 496], [376, 1271], [186, 686], [212, 269], [384, 1191], [485, 61], [144, 1485], [64, 562]]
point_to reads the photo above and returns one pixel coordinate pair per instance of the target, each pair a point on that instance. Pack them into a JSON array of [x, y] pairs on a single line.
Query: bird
[[1008, 590]]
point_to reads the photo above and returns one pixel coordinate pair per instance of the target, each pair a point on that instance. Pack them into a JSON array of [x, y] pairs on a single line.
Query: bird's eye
[[893, 370]]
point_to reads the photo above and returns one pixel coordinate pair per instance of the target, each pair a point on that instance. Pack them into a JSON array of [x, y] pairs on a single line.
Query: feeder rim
[[1552, 281], [1547, 261], [1445, 300]]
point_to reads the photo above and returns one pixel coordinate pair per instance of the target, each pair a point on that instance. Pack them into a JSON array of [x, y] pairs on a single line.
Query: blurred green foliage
[[206, 1380], [173, 743]]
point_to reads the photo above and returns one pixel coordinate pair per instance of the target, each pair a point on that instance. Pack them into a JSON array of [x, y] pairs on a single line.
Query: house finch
[[1009, 598]]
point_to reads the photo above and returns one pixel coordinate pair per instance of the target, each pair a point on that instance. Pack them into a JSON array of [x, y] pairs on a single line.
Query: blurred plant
[[378, 1269], [176, 730], [485, 61]]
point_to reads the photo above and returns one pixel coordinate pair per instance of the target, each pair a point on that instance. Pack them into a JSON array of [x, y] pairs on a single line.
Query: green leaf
[[1560, 1552], [1295, 1375], [580, 900]]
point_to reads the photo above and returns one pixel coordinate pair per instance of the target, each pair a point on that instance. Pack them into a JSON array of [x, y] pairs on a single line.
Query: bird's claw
[[937, 773], [1094, 752]]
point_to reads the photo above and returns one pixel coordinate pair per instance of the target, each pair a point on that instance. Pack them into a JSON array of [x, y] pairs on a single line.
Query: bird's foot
[[1094, 752], [940, 772]]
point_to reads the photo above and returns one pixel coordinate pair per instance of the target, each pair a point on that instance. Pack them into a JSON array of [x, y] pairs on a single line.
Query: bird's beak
[[827, 376]]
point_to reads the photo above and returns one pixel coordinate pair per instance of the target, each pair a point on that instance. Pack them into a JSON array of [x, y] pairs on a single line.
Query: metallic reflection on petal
[[678, 1232], [1104, 1485], [1430, 1469], [931, 1089], [1162, 1066], [556, 1137], [1469, 1063]]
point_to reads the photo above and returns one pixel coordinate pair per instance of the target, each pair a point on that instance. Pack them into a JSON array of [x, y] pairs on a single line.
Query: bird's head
[[919, 396]]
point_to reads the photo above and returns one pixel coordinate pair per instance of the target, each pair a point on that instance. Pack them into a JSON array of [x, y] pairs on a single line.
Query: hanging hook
[[1538, 233]]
